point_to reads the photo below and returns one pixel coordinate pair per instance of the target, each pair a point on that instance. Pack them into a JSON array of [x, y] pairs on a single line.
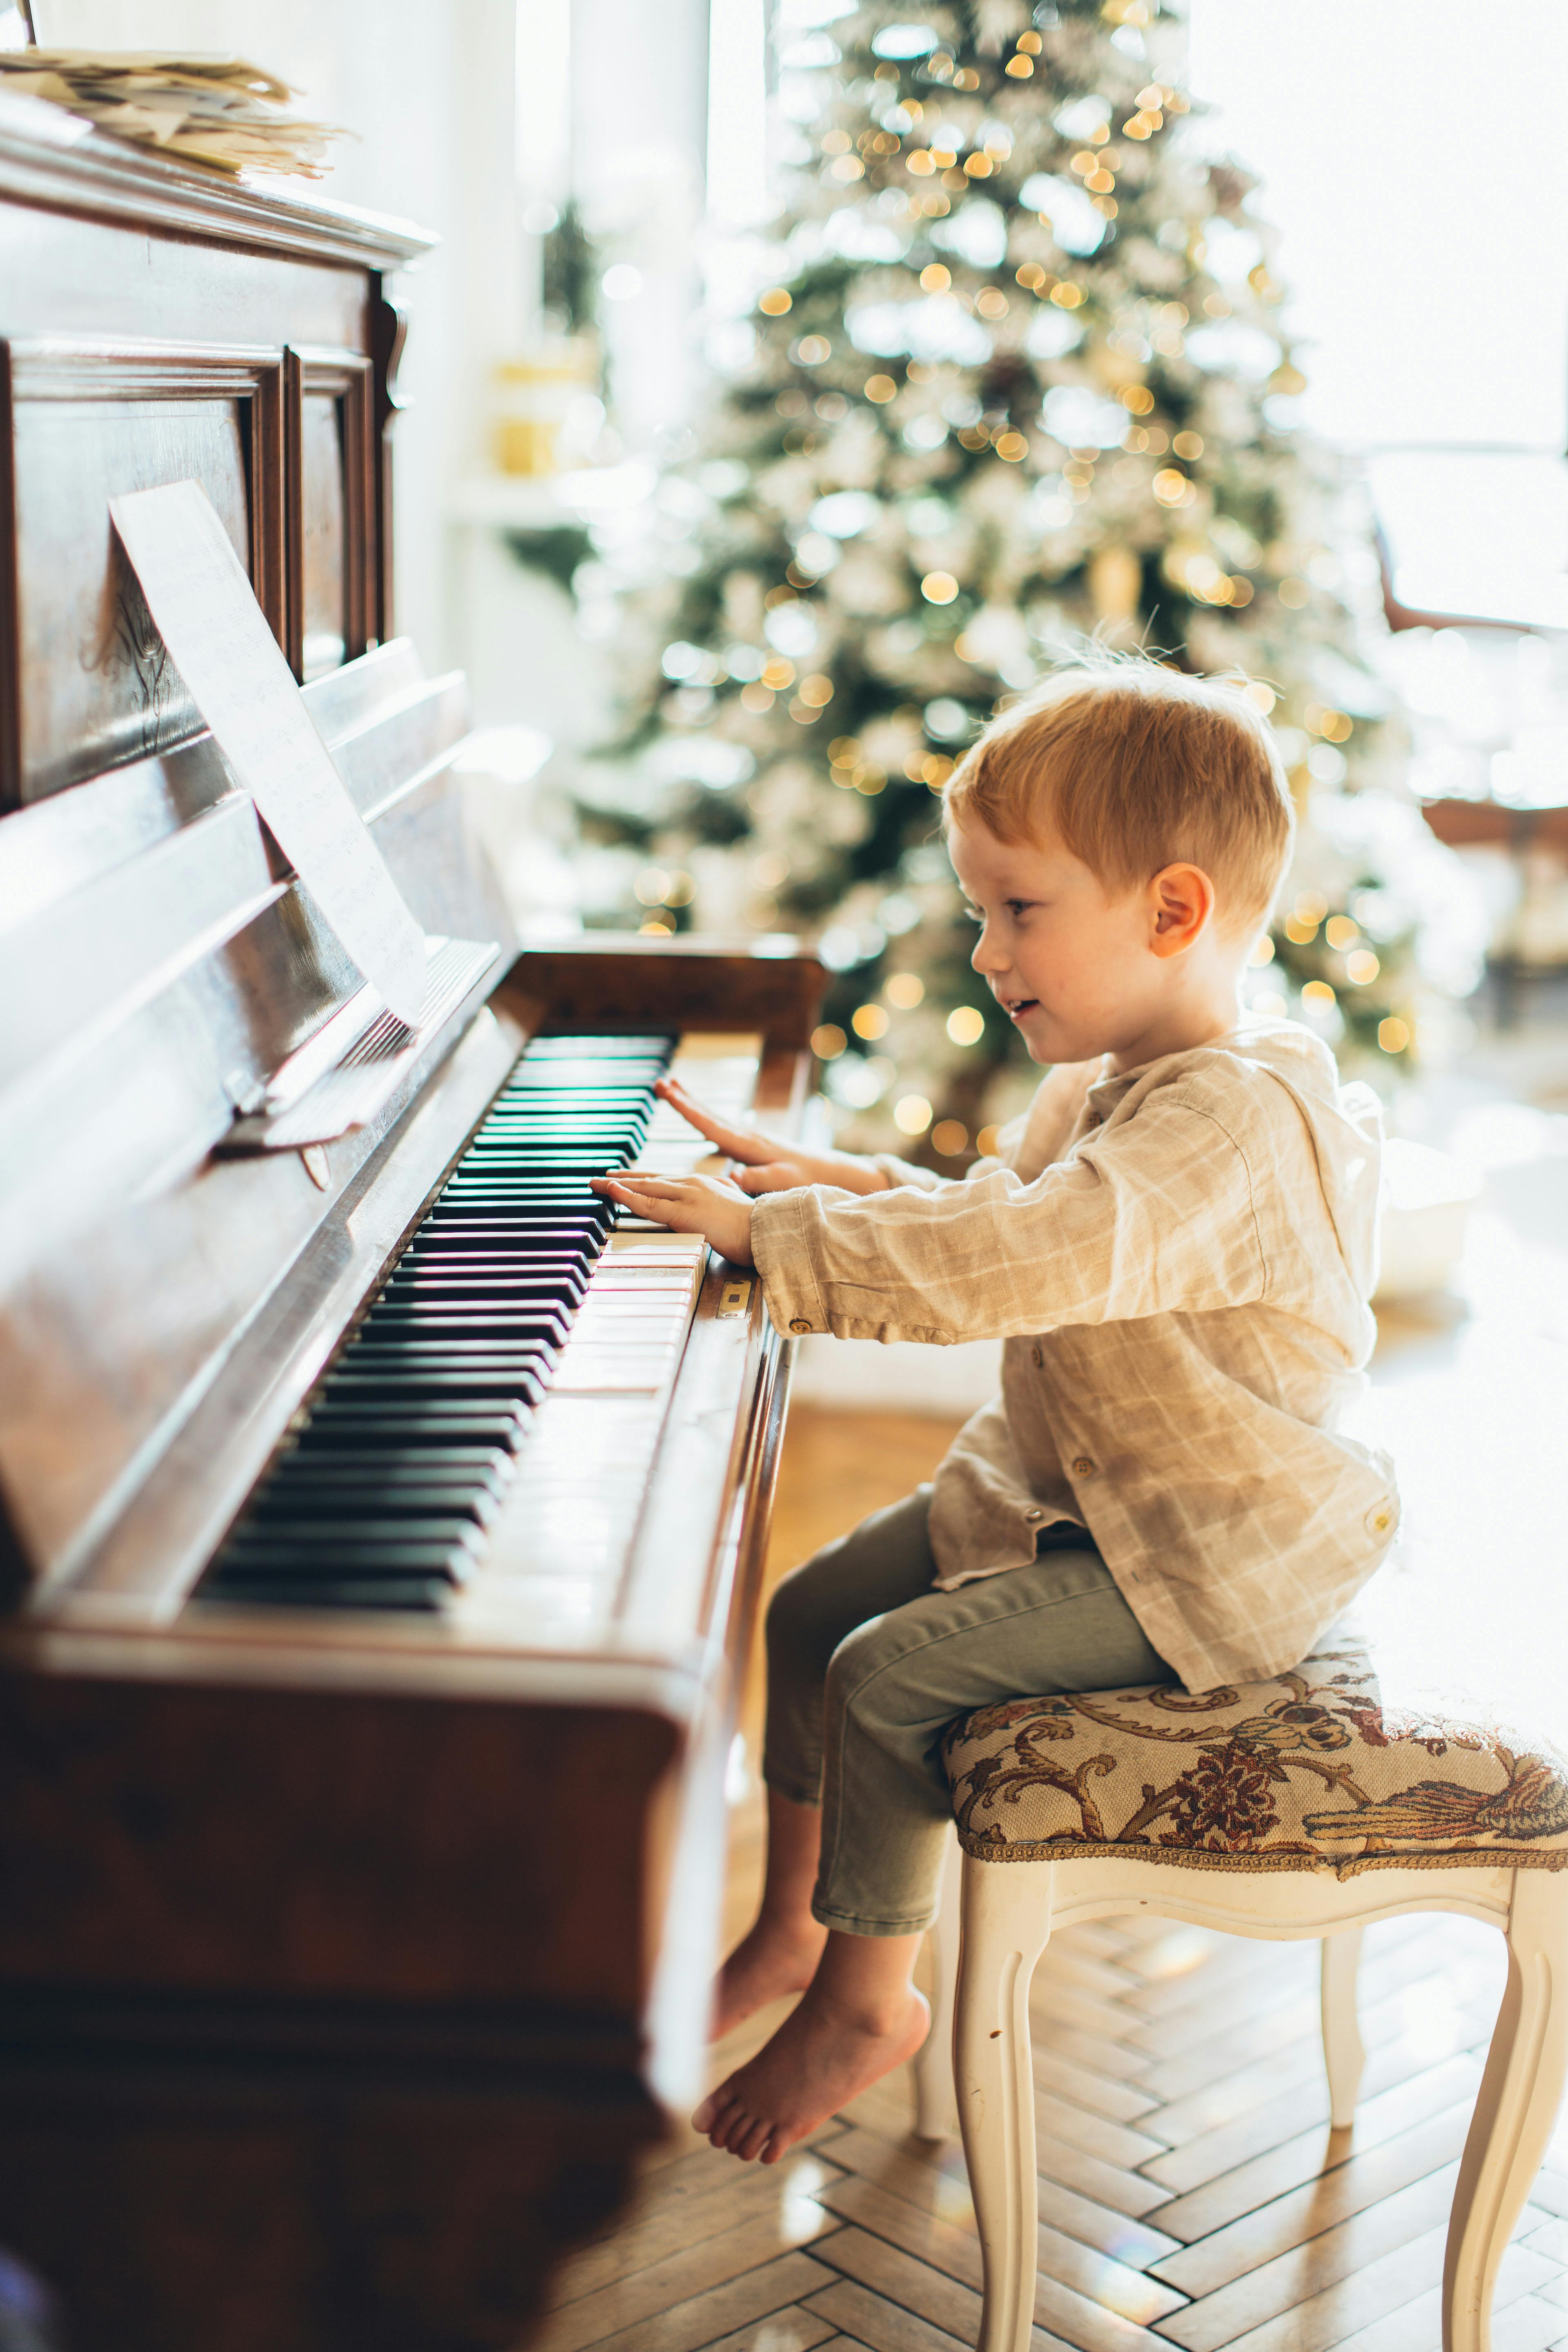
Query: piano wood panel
[[145, 350], [331, 492], [602, 978], [79, 424], [326, 1845]]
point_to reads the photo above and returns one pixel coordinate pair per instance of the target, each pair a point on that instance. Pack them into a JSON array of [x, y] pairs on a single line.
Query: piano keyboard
[[515, 1286]]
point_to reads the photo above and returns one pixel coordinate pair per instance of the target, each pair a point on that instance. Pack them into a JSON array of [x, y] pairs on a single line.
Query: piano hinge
[[735, 1298]]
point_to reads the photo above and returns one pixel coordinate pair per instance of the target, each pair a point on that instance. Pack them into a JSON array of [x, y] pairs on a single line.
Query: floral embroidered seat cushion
[[1310, 1770]]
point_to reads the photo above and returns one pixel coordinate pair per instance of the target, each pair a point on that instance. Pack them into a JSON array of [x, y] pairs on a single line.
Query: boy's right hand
[[766, 1165]]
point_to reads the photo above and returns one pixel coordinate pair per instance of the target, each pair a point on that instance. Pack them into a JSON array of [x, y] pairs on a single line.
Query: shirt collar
[[1111, 1086]]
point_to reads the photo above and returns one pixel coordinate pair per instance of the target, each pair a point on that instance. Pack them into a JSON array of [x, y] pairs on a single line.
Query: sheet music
[[218, 640]]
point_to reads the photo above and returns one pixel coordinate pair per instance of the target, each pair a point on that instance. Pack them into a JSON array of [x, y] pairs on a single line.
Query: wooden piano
[[379, 1529]]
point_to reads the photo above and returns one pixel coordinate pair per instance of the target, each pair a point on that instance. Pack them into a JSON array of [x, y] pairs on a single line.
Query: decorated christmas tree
[[1017, 377]]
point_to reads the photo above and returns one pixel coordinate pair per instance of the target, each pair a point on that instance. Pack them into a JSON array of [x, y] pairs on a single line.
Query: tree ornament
[[1115, 584]]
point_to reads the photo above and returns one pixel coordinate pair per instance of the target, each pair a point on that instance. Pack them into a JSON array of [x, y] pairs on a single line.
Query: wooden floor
[[1191, 2194]]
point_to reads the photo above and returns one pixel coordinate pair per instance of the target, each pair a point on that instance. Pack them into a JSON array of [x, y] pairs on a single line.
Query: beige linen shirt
[[1179, 1260]]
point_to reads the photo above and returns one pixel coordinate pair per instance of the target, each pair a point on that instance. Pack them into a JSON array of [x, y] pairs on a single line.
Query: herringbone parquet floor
[[1192, 2193]]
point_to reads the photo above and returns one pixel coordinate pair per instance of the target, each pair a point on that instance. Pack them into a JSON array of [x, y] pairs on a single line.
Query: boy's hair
[[1137, 766]]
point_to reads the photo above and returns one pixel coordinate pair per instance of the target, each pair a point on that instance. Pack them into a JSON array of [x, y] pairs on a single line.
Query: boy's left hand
[[710, 1205]]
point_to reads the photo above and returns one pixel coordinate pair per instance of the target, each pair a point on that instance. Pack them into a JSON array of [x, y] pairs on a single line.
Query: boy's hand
[[710, 1205], [767, 1164]]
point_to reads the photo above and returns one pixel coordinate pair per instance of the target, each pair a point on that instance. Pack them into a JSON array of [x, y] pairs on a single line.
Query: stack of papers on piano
[[217, 111]]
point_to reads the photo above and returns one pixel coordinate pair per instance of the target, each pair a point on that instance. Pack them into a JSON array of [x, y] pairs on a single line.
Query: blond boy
[[1176, 1243]]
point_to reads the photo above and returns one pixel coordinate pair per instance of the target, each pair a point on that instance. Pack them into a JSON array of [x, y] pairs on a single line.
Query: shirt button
[[1036, 1356], [799, 1323], [1083, 1467], [1033, 1515]]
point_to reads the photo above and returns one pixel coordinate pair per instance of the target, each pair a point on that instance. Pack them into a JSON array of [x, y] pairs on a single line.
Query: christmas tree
[[1019, 376]]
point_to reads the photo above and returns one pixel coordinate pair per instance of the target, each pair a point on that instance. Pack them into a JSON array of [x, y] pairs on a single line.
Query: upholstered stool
[[1298, 1807]]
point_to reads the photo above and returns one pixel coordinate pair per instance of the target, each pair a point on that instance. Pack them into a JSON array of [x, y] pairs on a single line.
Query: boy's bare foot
[[770, 1963], [823, 2056]]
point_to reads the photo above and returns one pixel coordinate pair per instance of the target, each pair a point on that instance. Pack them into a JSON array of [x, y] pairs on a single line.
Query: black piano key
[[347, 1384], [656, 1045], [489, 1466], [412, 1438], [553, 1302], [583, 1223], [464, 1346], [368, 1499], [550, 1303], [449, 1532], [445, 1509], [423, 1593], [361, 1424], [528, 1325], [484, 1368], [294, 1567], [471, 1472], [518, 1232], [422, 1262]]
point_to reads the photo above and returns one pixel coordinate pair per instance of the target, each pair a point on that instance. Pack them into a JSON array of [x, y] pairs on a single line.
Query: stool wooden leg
[[936, 2115], [1344, 2053], [1007, 1924], [1516, 2107]]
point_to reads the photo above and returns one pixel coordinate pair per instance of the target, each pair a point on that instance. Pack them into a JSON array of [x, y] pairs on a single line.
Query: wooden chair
[[1299, 1807]]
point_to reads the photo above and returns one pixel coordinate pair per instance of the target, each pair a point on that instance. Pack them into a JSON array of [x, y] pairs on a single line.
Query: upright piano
[[379, 1521]]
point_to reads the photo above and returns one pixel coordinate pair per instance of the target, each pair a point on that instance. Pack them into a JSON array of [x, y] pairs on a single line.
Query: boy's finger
[[669, 1186], [644, 1204], [735, 1141], [777, 1176]]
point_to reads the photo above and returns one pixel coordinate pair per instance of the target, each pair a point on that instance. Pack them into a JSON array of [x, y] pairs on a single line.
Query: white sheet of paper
[[219, 642]]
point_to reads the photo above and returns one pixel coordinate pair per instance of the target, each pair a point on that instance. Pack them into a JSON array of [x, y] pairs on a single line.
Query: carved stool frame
[[998, 1917]]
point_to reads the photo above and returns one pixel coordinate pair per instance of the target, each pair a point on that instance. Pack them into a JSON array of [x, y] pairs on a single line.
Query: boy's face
[[1073, 966]]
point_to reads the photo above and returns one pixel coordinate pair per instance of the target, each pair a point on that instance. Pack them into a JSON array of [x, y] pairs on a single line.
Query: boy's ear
[[1182, 899]]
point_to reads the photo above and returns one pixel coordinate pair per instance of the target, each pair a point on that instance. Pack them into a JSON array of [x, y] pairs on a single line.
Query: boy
[[1177, 1243]]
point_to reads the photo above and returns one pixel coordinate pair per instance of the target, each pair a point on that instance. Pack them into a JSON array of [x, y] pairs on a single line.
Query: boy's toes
[[751, 2138], [707, 2114]]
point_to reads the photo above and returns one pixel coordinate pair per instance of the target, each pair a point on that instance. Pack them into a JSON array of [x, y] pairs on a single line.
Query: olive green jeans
[[868, 1665]]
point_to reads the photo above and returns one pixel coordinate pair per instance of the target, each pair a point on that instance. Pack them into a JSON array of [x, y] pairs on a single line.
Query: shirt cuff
[[782, 1255]]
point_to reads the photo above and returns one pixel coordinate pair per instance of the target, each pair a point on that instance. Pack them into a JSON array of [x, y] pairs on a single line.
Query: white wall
[[1411, 162]]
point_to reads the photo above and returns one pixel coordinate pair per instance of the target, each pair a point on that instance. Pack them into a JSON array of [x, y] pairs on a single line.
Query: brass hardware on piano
[[379, 1524]]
